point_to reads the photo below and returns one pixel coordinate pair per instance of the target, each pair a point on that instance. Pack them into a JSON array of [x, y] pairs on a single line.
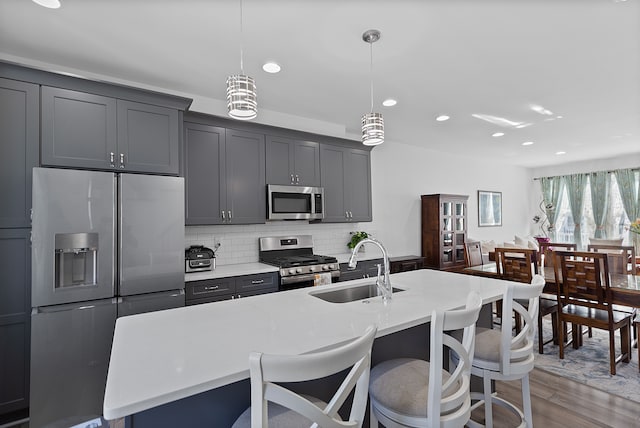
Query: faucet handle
[[379, 269]]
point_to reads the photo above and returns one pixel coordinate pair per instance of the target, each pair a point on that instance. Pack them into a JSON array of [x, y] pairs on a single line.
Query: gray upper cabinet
[[204, 173], [19, 131], [84, 130], [15, 291], [292, 161], [346, 178], [224, 175], [148, 138], [245, 177]]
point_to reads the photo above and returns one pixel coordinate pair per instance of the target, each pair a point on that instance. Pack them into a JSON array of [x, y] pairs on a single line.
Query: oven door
[[294, 203], [301, 281]]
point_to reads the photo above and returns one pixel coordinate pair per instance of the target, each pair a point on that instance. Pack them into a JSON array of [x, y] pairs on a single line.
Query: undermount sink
[[351, 294]]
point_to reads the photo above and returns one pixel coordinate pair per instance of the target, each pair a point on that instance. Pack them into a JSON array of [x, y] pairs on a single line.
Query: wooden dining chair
[[622, 258], [584, 295], [473, 253], [274, 405], [546, 251]]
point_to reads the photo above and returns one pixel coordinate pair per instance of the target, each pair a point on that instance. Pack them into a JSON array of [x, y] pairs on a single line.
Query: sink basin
[[351, 294]]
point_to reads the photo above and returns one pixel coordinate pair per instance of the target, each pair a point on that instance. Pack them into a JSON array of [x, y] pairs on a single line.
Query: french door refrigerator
[[104, 245]]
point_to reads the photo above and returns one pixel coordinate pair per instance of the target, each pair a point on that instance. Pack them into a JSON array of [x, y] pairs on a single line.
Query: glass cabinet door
[[447, 224], [460, 208], [460, 224], [446, 208], [447, 239]]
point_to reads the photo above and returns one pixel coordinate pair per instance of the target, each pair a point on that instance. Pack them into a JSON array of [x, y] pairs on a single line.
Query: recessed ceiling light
[[51, 4], [389, 102], [558, 117], [497, 134], [442, 118], [527, 143], [271, 67], [561, 153]]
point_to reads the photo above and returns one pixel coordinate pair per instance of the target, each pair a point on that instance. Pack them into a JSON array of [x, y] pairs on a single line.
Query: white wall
[[400, 174]]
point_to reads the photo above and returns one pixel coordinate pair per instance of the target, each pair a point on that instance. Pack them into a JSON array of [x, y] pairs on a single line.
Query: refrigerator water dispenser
[[76, 259]]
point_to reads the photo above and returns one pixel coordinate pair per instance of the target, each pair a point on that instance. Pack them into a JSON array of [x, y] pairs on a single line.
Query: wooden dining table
[[625, 288]]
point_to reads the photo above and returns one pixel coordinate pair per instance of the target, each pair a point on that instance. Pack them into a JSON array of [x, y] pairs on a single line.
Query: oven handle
[[307, 277]]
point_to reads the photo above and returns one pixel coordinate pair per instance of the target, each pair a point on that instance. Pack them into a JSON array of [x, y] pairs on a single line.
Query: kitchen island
[[191, 364]]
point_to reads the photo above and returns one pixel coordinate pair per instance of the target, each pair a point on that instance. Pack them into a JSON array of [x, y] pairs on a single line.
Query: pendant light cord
[[371, 71], [241, 34]]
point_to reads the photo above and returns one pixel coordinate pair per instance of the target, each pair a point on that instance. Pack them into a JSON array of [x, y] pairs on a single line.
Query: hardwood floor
[[560, 402]]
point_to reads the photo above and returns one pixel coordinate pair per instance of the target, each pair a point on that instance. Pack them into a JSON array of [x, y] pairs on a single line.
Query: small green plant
[[355, 238]]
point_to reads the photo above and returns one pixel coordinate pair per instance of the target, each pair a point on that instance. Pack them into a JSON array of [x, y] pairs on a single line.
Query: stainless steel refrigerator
[[104, 245]]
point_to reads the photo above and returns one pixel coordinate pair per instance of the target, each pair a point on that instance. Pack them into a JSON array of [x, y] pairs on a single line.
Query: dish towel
[[322, 279]]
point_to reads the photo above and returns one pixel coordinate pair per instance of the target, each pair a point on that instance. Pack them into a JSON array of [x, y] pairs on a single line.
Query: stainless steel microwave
[[294, 202]]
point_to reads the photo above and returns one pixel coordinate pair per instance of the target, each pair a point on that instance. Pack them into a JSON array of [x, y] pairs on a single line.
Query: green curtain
[[628, 184], [599, 183], [576, 184], [551, 193]]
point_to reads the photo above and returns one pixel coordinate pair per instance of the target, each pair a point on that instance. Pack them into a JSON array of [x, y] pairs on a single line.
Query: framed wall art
[[489, 208]]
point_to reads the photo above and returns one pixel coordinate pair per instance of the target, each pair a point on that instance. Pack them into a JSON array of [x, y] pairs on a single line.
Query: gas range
[[299, 267]]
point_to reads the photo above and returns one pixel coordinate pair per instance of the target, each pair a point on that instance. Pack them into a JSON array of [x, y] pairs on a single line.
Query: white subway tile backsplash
[[239, 243]]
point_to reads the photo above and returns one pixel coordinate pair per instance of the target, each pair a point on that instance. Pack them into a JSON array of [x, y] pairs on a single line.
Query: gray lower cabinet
[[292, 162], [346, 178], [84, 130], [19, 133], [15, 324], [364, 269], [215, 290], [224, 175]]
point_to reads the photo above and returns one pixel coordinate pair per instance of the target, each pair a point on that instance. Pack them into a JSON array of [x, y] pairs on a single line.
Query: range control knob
[[325, 267], [312, 268], [292, 271], [332, 266], [298, 270]]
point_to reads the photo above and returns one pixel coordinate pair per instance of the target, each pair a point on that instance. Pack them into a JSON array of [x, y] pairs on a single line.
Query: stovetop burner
[[292, 261], [294, 256]]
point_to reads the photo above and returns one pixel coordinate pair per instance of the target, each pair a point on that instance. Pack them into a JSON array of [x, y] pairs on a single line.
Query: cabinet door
[[307, 163], [245, 171], [148, 139], [358, 175], [19, 133], [78, 129], [279, 166], [333, 161], [205, 179], [15, 291]]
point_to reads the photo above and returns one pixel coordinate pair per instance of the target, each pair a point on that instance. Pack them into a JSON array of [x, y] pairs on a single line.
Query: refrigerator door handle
[[121, 160]]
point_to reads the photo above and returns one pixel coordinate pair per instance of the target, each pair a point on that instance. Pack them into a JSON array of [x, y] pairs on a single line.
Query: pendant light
[[372, 123], [242, 101]]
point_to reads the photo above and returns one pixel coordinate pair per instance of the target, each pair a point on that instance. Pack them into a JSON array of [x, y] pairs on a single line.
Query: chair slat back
[[584, 278], [452, 395], [516, 352], [517, 264], [547, 248], [622, 258], [267, 369], [473, 252]]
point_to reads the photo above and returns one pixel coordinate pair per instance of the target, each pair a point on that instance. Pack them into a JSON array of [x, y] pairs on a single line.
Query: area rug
[[589, 364]]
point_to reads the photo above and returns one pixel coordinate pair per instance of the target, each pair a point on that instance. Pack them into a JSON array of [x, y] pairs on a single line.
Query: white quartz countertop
[[230, 270], [160, 357]]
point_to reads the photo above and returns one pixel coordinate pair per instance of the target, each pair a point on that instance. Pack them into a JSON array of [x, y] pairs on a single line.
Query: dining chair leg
[[625, 337], [526, 401], [561, 334], [612, 353], [488, 403], [540, 339]]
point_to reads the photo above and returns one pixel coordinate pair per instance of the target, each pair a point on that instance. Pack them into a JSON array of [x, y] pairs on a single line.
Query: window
[[616, 222]]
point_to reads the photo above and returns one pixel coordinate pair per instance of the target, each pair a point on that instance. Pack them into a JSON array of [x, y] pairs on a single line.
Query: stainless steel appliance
[[294, 202], [299, 267], [104, 245], [198, 258]]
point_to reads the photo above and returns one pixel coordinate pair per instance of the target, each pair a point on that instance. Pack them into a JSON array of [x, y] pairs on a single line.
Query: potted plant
[[355, 238]]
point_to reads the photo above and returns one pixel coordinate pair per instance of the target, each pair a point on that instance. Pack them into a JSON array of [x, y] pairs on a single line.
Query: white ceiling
[[478, 61]]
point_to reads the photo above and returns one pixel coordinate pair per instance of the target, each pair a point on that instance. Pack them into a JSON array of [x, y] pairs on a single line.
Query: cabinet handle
[[222, 212], [229, 215], [346, 214], [257, 281], [292, 180], [297, 179], [121, 160], [214, 287], [112, 159]]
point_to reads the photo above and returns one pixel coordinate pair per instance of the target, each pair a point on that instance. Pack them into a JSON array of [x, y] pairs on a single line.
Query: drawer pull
[[211, 288], [257, 281]]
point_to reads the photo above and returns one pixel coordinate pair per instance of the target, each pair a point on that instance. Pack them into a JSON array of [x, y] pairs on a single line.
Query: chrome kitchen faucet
[[383, 283]]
